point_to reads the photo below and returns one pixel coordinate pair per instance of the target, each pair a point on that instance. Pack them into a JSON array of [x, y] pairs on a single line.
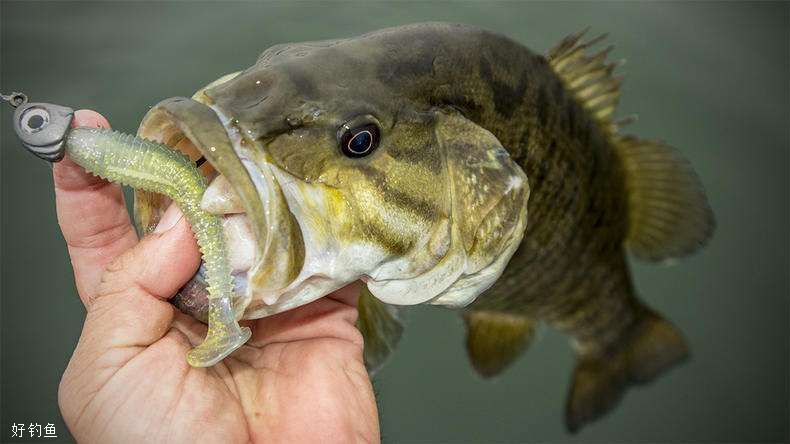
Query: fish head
[[340, 176]]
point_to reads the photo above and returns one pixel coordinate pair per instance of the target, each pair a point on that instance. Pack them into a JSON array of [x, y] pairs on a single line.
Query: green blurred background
[[711, 78]]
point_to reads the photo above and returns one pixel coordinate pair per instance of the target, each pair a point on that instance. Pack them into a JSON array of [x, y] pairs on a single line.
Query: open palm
[[299, 379]]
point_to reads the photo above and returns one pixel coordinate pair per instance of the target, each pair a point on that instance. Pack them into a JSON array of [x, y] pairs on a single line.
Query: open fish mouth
[[264, 242]]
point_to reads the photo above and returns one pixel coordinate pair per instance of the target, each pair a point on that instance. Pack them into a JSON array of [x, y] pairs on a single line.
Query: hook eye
[[34, 119]]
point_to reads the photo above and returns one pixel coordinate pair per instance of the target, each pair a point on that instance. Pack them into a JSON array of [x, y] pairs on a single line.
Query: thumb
[[129, 308]]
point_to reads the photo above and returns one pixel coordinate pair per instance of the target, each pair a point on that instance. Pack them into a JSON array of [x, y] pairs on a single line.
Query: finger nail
[[171, 217]]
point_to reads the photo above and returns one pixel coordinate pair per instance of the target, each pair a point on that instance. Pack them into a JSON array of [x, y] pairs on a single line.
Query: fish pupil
[[361, 142]]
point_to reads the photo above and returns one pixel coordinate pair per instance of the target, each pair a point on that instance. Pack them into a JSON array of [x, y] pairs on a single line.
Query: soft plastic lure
[[45, 130]]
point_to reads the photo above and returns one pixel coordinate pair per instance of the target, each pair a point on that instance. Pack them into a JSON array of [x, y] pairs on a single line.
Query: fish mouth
[[264, 242]]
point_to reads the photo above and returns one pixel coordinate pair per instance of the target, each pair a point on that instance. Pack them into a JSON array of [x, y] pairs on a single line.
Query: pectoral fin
[[494, 340], [380, 328]]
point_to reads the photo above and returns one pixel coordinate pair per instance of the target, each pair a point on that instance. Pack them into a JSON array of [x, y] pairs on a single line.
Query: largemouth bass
[[448, 165]]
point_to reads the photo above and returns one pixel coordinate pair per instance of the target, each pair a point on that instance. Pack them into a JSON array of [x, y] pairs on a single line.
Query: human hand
[[300, 378]]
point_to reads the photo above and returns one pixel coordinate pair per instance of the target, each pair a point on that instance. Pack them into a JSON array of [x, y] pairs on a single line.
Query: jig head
[[42, 127]]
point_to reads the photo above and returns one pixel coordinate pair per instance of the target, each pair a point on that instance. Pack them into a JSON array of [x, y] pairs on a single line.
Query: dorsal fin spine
[[589, 77]]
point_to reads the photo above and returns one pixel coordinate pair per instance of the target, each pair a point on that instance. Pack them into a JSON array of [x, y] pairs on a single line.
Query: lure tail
[[652, 347]]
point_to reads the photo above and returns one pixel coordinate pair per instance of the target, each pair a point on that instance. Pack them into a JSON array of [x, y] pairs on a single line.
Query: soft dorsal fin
[[494, 340], [668, 212], [590, 77]]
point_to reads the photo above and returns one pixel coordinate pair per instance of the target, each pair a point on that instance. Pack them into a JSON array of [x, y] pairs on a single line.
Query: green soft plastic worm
[[45, 130], [151, 166]]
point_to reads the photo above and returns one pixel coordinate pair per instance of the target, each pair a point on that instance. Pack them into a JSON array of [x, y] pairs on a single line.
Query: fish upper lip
[[282, 253]]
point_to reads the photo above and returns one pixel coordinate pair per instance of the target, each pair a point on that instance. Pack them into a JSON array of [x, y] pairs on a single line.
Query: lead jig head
[[42, 127]]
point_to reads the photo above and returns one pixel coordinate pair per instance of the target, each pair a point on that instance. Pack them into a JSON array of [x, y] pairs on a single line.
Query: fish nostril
[[293, 121]]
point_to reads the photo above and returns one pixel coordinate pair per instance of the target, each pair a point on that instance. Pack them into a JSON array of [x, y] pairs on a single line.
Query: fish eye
[[359, 136], [34, 120]]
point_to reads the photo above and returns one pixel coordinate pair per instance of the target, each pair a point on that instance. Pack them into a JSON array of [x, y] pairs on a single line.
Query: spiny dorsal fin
[[380, 328], [668, 213], [588, 76], [494, 340]]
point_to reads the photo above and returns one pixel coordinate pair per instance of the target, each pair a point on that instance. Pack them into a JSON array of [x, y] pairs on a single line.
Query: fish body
[[449, 165]]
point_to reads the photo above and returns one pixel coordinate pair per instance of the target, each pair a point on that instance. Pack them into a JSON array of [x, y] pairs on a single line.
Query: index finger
[[92, 215]]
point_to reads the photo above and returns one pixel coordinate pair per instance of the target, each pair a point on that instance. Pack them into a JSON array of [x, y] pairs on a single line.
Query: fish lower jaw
[[327, 268]]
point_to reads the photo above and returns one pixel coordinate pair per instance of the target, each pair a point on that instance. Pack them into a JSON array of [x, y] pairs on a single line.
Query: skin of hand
[[300, 378]]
